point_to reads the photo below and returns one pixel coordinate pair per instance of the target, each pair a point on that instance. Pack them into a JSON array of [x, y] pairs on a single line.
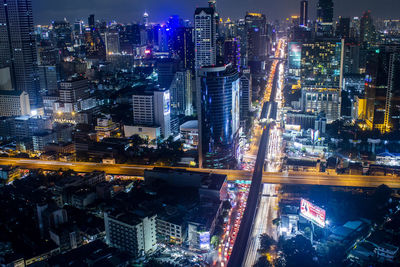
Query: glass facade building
[[218, 99]]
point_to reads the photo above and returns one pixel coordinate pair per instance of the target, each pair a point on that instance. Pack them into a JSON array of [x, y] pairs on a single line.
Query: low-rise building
[[14, 103], [190, 134], [130, 232]]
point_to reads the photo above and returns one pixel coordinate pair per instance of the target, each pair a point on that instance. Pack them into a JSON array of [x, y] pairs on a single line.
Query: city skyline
[[128, 11]]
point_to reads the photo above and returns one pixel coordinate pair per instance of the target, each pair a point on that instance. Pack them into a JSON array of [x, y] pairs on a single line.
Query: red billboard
[[312, 212]]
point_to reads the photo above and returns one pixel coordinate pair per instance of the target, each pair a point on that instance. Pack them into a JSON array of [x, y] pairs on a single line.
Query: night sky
[[159, 10]]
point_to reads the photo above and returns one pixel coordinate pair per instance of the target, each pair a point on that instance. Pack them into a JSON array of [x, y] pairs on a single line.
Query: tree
[[266, 242], [298, 251], [262, 262], [214, 241]]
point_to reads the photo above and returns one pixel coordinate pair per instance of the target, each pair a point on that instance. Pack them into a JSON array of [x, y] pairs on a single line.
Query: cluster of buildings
[[171, 206], [344, 68], [146, 79]]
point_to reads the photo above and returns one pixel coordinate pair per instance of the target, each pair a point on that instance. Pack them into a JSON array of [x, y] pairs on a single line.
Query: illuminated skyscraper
[[321, 77], [304, 13], [146, 19], [256, 28], [18, 47], [218, 115], [382, 89], [367, 30], [325, 11], [205, 37]]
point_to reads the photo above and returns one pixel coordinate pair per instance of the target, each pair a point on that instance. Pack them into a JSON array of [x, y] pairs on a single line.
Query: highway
[[299, 178], [266, 213]]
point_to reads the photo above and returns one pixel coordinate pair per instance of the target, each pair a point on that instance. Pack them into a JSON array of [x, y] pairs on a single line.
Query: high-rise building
[[256, 30], [321, 77], [367, 30], [205, 30], [382, 89], [152, 108], [321, 63], [72, 92], [182, 93], [325, 11], [166, 69], [131, 233], [48, 80], [183, 46], [146, 19], [218, 115], [14, 103], [232, 52], [304, 13], [62, 33], [343, 28], [18, 47], [112, 42], [245, 96]]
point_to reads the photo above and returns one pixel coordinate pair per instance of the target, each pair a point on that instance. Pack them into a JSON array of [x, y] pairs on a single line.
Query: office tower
[[343, 28], [14, 103], [164, 37], [242, 38], [304, 13], [95, 47], [112, 42], [152, 107], [218, 115], [232, 52], [205, 37], [351, 63], [143, 108], [5, 79], [183, 46], [129, 38], [321, 77], [256, 35], [245, 97], [166, 69], [62, 34], [146, 19], [18, 47], [382, 89], [367, 30], [48, 77], [131, 233], [91, 22], [182, 93], [72, 92], [325, 11]]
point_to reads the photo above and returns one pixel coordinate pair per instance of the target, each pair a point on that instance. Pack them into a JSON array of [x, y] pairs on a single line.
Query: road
[[267, 212], [299, 178], [266, 209]]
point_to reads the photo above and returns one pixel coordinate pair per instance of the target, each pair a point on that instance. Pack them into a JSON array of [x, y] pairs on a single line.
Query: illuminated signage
[[312, 212], [205, 240], [167, 103]]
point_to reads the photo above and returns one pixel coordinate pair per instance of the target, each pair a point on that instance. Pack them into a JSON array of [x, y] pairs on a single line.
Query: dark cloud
[[159, 10]]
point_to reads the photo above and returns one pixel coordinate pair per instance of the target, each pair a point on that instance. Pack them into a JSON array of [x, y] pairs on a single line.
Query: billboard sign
[[312, 212], [204, 240], [294, 55]]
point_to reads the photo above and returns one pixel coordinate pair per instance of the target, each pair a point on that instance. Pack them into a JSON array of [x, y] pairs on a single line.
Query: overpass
[[299, 178]]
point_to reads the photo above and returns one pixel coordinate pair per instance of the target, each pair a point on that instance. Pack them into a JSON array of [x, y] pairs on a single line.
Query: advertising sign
[[294, 55], [312, 212], [204, 240], [167, 103]]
